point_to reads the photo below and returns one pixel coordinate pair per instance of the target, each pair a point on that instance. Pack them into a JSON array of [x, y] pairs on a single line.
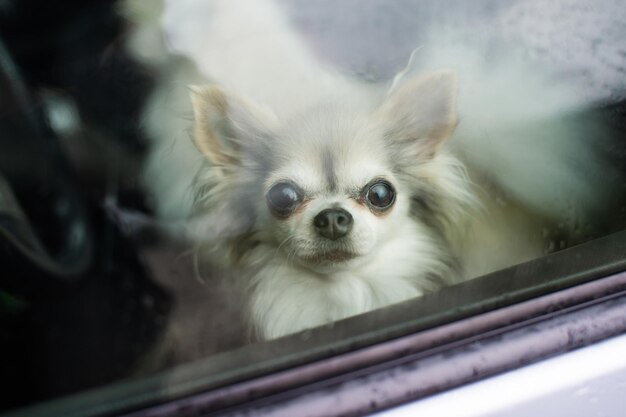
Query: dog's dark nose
[[333, 223]]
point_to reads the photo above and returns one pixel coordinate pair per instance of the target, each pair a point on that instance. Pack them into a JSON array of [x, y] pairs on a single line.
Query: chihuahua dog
[[341, 209], [330, 197]]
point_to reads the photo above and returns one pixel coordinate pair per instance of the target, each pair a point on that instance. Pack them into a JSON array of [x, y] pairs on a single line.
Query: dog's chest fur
[[285, 297]]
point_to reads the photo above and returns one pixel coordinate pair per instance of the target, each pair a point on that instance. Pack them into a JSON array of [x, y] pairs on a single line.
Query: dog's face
[[331, 197], [328, 188]]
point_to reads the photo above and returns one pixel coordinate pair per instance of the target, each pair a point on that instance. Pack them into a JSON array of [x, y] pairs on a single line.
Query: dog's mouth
[[335, 256]]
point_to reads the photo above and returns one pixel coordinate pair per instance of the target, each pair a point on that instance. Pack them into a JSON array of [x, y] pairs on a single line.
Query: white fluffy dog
[[329, 196]]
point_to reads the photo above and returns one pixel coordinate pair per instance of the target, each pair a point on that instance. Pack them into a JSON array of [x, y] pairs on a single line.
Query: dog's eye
[[283, 198], [381, 195]]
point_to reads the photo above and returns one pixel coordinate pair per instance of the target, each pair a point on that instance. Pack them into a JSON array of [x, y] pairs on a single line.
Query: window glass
[[180, 180]]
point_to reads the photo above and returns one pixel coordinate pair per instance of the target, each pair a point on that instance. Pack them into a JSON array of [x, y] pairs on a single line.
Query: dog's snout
[[333, 223]]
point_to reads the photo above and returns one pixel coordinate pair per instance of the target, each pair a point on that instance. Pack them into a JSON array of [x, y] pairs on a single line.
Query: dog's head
[[327, 188]]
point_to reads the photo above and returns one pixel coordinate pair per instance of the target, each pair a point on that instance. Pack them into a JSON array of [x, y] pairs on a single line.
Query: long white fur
[[248, 47], [398, 257]]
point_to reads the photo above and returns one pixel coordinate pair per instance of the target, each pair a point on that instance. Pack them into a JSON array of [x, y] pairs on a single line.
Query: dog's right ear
[[226, 123]]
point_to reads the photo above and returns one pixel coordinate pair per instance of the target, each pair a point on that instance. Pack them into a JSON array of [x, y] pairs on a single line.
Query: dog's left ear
[[226, 124], [421, 112]]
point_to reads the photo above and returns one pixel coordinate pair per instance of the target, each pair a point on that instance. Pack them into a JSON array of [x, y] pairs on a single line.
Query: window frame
[[520, 298]]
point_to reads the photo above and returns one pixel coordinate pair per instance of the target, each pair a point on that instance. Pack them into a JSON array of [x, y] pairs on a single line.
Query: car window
[[195, 194]]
